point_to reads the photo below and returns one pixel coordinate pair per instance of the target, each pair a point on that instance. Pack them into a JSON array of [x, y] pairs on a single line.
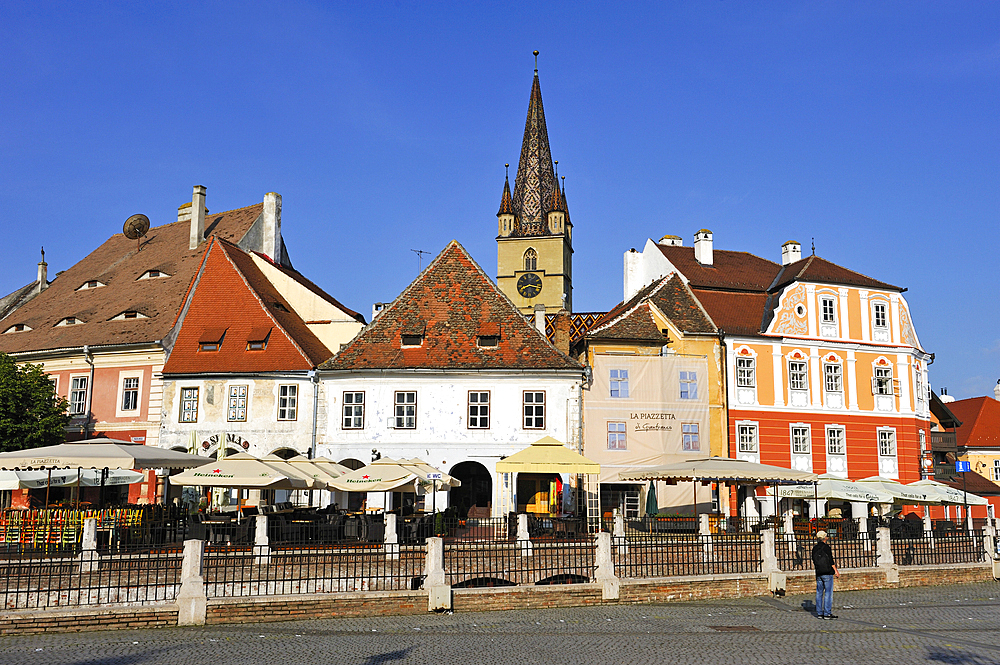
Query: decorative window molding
[[354, 410], [530, 259], [828, 319], [78, 395], [885, 387], [479, 409], [239, 400], [836, 450], [130, 388], [617, 436], [880, 320], [888, 465], [798, 378], [748, 444], [746, 375]]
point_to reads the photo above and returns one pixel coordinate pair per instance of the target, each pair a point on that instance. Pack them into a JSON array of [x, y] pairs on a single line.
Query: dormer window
[[257, 340], [279, 306], [69, 321], [412, 339], [129, 314], [90, 284], [211, 339], [17, 327], [488, 341], [153, 274], [412, 333]]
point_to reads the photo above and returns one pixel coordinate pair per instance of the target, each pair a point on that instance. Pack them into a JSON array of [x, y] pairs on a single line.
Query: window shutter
[[874, 386], [895, 387]]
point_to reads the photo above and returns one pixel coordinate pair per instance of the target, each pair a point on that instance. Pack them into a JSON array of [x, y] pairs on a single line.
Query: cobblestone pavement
[[952, 624]]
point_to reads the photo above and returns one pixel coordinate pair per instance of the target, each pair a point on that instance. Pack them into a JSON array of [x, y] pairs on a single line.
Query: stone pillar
[[192, 603], [262, 545], [523, 539], [859, 510], [604, 573], [705, 533], [884, 550], [769, 560], [619, 534], [928, 526], [438, 592], [789, 527], [391, 540], [90, 560]]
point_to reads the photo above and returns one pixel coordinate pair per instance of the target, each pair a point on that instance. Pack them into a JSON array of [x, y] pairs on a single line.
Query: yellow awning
[[547, 456]]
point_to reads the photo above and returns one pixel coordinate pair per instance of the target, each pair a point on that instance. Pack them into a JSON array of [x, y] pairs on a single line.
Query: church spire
[[535, 181], [506, 207]]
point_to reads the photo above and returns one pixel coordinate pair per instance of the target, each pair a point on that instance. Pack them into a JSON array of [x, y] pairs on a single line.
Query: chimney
[[703, 247], [377, 309], [271, 241], [562, 327], [43, 273], [791, 252], [540, 318], [996, 390], [197, 216], [671, 241]]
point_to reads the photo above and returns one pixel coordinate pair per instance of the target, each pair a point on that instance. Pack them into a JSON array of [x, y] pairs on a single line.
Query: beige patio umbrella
[[720, 469], [833, 487], [306, 465], [312, 479], [382, 475], [428, 475], [240, 470], [331, 468], [98, 454], [906, 494], [947, 495]]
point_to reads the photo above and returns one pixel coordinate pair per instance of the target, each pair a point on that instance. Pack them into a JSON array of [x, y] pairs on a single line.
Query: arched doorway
[[476, 490], [285, 453]]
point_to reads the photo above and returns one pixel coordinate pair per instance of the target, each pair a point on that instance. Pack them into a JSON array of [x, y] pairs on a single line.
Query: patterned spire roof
[[535, 180], [506, 207]]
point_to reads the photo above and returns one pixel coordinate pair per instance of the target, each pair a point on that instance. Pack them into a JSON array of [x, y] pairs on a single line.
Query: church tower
[[535, 243]]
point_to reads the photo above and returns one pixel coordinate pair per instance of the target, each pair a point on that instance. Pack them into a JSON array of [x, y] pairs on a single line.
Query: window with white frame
[[616, 436], [78, 396], [880, 317], [882, 382], [479, 409], [534, 409], [835, 441], [828, 306], [833, 378], [130, 393], [619, 383], [189, 405], [746, 374], [887, 443], [354, 410], [798, 375], [801, 444], [995, 471], [288, 401], [747, 438], [237, 411], [689, 385], [690, 437], [918, 387], [406, 410]]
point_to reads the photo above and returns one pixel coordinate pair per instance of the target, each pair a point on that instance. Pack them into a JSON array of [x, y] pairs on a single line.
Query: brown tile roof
[[973, 483], [12, 301], [736, 271], [670, 296], [506, 207], [301, 279], [816, 269], [734, 312], [980, 418], [453, 302], [118, 265], [233, 301]]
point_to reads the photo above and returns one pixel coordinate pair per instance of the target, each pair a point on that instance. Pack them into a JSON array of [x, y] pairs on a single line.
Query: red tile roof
[[973, 483], [118, 265], [233, 301], [628, 320], [737, 271], [816, 269], [734, 312], [451, 302], [980, 418]]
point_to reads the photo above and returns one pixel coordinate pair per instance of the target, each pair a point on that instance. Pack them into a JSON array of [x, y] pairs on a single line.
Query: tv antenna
[[135, 228], [420, 258]]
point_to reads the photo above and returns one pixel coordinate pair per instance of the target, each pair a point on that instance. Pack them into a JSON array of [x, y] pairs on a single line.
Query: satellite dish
[[136, 226]]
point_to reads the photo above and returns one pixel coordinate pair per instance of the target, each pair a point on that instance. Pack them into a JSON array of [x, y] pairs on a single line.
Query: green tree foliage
[[31, 414]]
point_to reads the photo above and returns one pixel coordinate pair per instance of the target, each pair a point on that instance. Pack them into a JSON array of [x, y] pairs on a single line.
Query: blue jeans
[[824, 595]]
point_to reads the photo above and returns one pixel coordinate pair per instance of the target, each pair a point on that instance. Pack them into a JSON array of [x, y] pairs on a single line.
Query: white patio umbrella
[[829, 486], [720, 469], [28, 480], [308, 466], [240, 470], [382, 475], [99, 454], [312, 479], [947, 495], [906, 494]]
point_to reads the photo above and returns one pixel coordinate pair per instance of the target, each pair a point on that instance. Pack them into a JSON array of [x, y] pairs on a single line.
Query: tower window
[[531, 259]]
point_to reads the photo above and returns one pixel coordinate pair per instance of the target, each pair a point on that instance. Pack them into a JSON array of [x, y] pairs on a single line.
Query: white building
[[453, 374]]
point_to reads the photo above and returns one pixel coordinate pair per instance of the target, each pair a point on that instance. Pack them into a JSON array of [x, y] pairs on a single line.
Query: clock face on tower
[[529, 285]]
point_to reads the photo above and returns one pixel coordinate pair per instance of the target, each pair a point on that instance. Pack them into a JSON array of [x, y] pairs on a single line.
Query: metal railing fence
[[930, 548], [521, 562], [794, 552], [686, 555], [262, 571]]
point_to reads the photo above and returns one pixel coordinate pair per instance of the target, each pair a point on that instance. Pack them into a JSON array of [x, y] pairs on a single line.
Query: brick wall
[[80, 619], [525, 597], [322, 606]]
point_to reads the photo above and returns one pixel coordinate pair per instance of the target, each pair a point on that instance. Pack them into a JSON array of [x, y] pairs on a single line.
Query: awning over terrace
[[547, 456], [239, 470], [99, 454], [721, 469]]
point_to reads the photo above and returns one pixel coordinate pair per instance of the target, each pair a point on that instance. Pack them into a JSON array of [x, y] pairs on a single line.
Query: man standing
[[826, 570]]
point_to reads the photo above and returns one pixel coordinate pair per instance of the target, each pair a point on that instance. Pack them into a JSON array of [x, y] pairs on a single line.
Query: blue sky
[[872, 127]]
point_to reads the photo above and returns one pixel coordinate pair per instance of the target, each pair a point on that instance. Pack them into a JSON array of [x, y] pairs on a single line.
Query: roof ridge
[[213, 214]]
